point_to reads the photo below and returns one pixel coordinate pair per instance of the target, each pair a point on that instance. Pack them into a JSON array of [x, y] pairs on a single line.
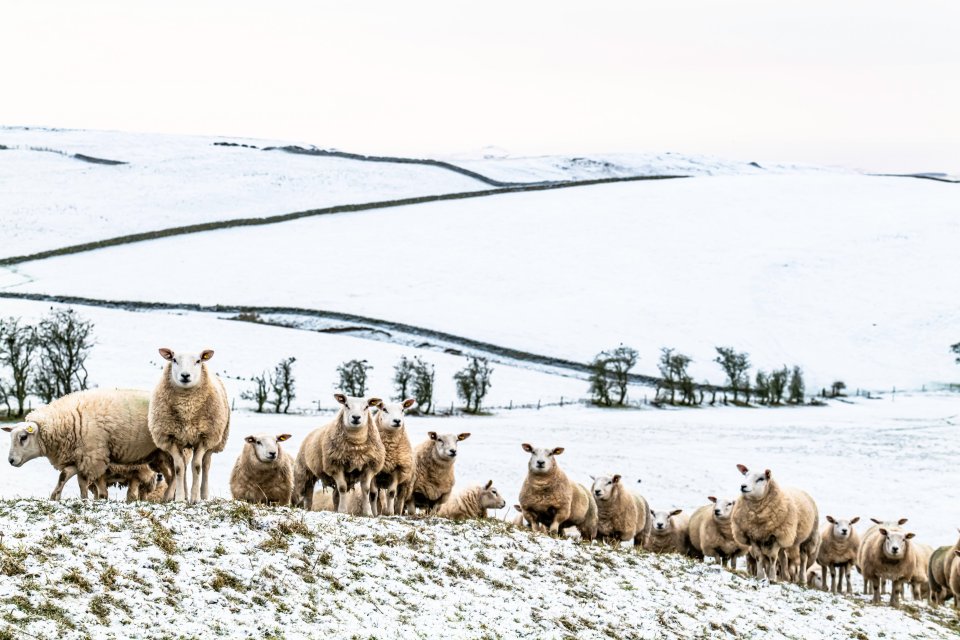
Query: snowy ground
[[111, 571], [842, 274]]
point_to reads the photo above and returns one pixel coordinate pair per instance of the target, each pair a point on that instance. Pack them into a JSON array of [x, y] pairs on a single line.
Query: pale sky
[[870, 84]]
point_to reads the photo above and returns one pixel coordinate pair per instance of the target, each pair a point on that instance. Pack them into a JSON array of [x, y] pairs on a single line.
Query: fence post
[[538, 404], [511, 405], [561, 401]]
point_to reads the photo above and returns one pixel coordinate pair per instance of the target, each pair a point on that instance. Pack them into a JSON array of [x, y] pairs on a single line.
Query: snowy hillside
[[112, 571], [842, 274]]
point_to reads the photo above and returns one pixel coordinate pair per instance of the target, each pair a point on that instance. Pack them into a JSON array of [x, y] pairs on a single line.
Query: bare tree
[[837, 388], [64, 342], [259, 393], [778, 384], [473, 382], [762, 387], [282, 384], [673, 370], [403, 375], [17, 345], [600, 381], [423, 377], [735, 365], [621, 361], [353, 377], [796, 386]]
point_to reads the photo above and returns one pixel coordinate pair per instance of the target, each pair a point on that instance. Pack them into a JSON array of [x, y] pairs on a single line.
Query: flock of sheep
[[366, 465]]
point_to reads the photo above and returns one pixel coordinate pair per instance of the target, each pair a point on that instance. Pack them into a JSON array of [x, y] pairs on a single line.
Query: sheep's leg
[[340, 479], [823, 577], [65, 474], [366, 479], [307, 493], [197, 464], [875, 585], [84, 484], [101, 484], [133, 490], [895, 591], [180, 479], [205, 483], [391, 493]]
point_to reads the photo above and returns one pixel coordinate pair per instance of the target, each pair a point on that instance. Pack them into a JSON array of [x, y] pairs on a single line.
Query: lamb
[[621, 514], [433, 471], [770, 519], [472, 503], [711, 532], [670, 533], [345, 451], [140, 480], [887, 554], [82, 433], [938, 578], [550, 501], [395, 479], [839, 544], [189, 411], [263, 472]]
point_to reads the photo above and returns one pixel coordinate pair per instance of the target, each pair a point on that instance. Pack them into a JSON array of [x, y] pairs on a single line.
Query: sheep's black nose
[[272, 455], [540, 463], [743, 488], [396, 423], [10, 460], [659, 526], [453, 453], [185, 377], [843, 531], [355, 419], [716, 512], [598, 492], [896, 549]]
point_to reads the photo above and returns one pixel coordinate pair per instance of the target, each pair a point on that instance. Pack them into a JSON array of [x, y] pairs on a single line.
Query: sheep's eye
[[23, 437], [609, 483]]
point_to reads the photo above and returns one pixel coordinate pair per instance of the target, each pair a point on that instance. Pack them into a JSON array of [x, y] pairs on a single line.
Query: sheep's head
[[490, 498], [663, 520], [24, 443], [722, 507], [541, 460], [186, 369], [390, 414], [445, 445], [266, 447], [603, 486], [754, 485], [895, 542], [889, 523], [355, 408], [842, 529]]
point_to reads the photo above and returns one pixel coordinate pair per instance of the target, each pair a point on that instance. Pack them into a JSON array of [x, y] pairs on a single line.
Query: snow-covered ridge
[[109, 570]]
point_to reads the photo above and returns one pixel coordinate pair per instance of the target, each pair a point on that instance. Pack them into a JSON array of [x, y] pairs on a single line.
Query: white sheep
[[83, 433], [550, 501], [433, 476], [263, 472], [711, 532], [189, 412], [394, 481], [669, 533], [839, 544], [622, 516], [472, 503], [887, 554]]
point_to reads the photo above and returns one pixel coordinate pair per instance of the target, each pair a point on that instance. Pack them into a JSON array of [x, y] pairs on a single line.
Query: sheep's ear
[[902, 521], [7, 429], [875, 521], [283, 437], [957, 551], [519, 508], [526, 447], [592, 478], [432, 435], [854, 519], [676, 512], [488, 485], [557, 451], [909, 535], [616, 478], [831, 520], [374, 402], [339, 397], [742, 469], [250, 439], [206, 354], [652, 512], [463, 436], [882, 531], [166, 354], [712, 499], [409, 402], [766, 473]]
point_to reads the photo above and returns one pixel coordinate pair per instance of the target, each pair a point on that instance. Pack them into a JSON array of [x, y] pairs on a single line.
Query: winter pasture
[[844, 274]]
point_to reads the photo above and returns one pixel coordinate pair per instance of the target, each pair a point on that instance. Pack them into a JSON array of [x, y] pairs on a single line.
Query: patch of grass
[[242, 513], [171, 565], [276, 541], [43, 610], [108, 577], [223, 579], [219, 550], [161, 535], [12, 561], [295, 527], [77, 579]]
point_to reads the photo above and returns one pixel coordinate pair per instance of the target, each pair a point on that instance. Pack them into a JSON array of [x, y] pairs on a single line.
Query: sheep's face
[[663, 520], [390, 414], [266, 447], [842, 529], [541, 460], [754, 485], [445, 445], [490, 498], [24, 443], [603, 487], [355, 408], [722, 507], [186, 369], [895, 543]]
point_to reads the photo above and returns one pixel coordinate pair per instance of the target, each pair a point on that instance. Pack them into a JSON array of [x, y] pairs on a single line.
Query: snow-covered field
[[111, 571]]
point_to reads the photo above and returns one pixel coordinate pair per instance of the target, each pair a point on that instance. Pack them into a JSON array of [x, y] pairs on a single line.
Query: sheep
[[839, 544], [887, 554], [770, 519], [877, 523], [670, 533], [953, 575], [919, 582], [345, 451], [517, 519], [82, 433], [323, 500], [621, 514], [395, 479], [949, 561], [814, 580], [472, 503], [550, 501], [938, 578], [263, 472], [433, 476], [189, 410], [157, 495], [711, 532], [140, 480]]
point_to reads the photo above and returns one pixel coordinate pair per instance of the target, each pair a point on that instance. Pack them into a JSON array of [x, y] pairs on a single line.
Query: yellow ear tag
[[30, 428]]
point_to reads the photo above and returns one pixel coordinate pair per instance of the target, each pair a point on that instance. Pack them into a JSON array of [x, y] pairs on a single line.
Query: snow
[[844, 275], [217, 569]]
